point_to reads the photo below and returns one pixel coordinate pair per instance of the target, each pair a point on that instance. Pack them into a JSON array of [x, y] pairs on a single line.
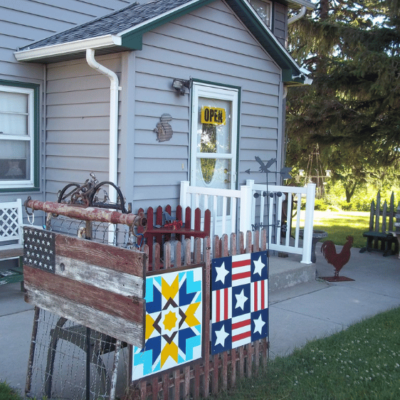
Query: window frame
[[32, 90], [270, 12], [220, 91]]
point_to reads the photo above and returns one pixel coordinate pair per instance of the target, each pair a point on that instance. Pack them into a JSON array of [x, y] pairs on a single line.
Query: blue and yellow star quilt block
[[174, 321]]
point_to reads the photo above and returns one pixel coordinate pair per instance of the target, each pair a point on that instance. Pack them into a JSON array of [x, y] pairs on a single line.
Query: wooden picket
[[218, 372]]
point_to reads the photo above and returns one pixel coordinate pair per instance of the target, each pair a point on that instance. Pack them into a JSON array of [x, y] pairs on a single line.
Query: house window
[[264, 10], [214, 136], [17, 137]]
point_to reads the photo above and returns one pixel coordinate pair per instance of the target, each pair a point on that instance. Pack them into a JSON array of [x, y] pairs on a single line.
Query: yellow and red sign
[[213, 115]]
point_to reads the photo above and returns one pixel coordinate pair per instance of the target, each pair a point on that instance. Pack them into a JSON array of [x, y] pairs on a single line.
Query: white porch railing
[[275, 202], [229, 219]]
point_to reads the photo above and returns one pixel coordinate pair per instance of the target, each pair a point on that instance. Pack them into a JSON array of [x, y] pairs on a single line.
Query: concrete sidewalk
[[297, 315]]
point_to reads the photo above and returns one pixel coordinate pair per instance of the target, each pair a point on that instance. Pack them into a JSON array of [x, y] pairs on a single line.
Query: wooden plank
[[233, 368], [116, 258], [249, 359], [241, 362], [257, 354], [186, 384], [117, 327], [103, 278], [215, 374], [177, 383], [154, 388], [207, 317], [143, 390], [87, 295], [196, 393], [165, 386], [224, 370]]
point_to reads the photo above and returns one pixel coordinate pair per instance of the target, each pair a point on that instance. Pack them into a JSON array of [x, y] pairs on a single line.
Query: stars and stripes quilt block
[[174, 320], [239, 300]]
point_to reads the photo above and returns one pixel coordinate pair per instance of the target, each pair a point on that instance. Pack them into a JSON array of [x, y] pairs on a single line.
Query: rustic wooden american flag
[[93, 284]]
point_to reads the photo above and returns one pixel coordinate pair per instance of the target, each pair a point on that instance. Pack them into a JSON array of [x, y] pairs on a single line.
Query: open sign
[[213, 115]]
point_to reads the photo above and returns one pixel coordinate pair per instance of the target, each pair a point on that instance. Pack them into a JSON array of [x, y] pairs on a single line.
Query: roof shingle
[[111, 24]]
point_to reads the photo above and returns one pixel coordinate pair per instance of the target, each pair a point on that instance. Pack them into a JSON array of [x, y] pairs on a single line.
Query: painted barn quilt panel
[[174, 321], [239, 295]]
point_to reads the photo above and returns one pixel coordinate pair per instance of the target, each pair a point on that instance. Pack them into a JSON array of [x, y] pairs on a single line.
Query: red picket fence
[[214, 373], [161, 235]]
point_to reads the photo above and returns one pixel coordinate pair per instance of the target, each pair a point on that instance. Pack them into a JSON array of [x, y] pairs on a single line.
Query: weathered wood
[[249, 360], [215, 373], [103, 278], [177, 383], [257, 354], [224, 370], [116, 258], [154, 388], [11, 253], [110, 303], [233, 368], [196, 392], [241, 362], [207, 317], [117, 327], [143, 390], [186, 385], [165, 386]]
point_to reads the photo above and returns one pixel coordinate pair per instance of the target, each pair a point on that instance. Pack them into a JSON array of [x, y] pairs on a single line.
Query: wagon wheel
[[95, 201]]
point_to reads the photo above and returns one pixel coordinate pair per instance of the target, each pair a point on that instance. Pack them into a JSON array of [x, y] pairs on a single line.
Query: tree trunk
[[350, 189]]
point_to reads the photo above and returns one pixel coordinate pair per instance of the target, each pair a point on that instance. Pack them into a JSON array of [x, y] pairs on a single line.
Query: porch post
[[308, 223], [183, 198], [245, 207]]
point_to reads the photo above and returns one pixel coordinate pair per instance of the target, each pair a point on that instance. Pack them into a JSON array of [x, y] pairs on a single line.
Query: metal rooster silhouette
[[338, 260]]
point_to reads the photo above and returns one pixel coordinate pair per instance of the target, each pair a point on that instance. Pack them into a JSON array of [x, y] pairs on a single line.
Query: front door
[[214, 143]]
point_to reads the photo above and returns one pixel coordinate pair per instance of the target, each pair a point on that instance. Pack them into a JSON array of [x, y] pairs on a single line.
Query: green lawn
[[362, 362], [339, 225]]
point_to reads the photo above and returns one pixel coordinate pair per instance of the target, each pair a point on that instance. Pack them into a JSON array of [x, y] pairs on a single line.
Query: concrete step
[[288, 272]]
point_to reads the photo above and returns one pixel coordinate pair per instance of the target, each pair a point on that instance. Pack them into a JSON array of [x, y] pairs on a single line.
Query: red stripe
[[241, 336], [241, 324], [263, 294], [255, 296], [237, 264], [218, 308], [226, 303], [241, 276]]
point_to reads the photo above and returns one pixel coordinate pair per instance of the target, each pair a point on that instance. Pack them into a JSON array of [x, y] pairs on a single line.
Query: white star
[[259, 265], [222, 272], [240, 300], [258, 325], [221, 336]]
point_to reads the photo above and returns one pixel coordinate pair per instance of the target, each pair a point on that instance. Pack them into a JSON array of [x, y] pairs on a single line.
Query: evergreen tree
[[352, 109]]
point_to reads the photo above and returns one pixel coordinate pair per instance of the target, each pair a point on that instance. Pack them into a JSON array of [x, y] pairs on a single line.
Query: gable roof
[[123, 30]]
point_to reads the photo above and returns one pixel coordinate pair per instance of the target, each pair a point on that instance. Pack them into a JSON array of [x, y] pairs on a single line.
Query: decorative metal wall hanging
[[164, 129]]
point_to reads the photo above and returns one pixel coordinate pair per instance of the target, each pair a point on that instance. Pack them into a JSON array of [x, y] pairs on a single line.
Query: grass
[[339, 225], [7, 393], [362, 362]]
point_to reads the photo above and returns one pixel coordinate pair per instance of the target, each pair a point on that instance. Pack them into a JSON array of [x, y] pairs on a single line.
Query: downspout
[[300, 15], [113, 145]]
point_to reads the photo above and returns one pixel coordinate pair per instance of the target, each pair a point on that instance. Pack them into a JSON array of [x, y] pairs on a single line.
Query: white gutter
[[113, 146], [300, 15], [77, 46]]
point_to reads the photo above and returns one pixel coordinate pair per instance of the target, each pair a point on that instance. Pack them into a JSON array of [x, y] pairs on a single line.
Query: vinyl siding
[[210, 44], [280, 26], [78, 108], [25, 21]]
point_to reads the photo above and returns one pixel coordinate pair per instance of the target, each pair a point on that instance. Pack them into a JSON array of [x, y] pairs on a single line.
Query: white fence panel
[[224, 218]]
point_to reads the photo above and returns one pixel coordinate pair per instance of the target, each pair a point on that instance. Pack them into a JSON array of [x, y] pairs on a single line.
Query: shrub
[[320, 205]]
